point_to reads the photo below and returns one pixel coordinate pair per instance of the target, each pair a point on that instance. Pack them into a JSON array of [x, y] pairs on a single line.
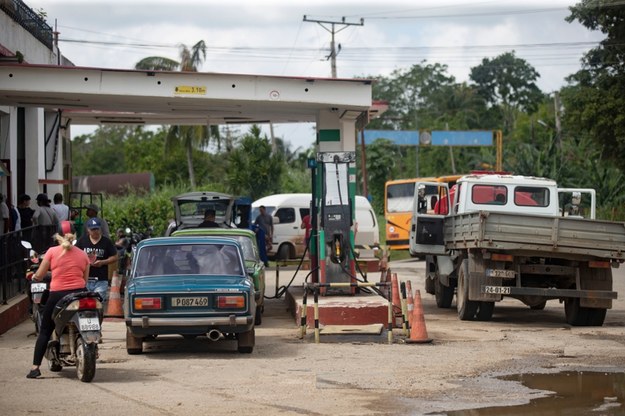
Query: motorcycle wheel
[[54, 367], [85, 360]]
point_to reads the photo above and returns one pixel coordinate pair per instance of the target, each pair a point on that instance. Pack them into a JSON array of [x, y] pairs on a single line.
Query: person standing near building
[[5, 217], [62, 210], [44, 216], [264, 222], [26, 212], [92, 212], [101, 252]]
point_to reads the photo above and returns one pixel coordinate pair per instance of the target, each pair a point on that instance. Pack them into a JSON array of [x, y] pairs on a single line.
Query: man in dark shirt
[[101, 252], [209, 220]]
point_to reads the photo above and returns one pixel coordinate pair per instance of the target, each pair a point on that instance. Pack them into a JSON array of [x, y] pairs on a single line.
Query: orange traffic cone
[[114, 307], [409, 303], [396, 301], [418, 333]]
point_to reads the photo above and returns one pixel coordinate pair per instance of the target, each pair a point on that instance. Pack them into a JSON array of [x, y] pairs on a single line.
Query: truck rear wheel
[[444, 294], [575, 314], [596, 316], [485, 311], [466, 308]]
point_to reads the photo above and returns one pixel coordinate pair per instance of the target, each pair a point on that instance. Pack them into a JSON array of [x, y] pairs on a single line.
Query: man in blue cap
[[101, 252]]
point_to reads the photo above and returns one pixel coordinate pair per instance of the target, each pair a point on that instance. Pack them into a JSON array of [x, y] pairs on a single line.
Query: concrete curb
[[13, 313]]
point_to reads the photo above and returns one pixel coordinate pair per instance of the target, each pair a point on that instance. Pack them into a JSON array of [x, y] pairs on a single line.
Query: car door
[[427, 223]]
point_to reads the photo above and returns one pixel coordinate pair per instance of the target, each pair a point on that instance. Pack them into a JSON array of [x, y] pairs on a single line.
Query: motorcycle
[[38, 291], [132, 239], [77, 332], [77, 325]]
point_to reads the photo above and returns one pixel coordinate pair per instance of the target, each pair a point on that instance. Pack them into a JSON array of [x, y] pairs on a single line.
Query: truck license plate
[[189, 302], [497, 290], [504, 274], [89, 324]]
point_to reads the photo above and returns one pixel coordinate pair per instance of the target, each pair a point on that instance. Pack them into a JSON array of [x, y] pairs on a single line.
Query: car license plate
[[497, 290], [504, 274], [186, 302], [37, 287], [89, 324]]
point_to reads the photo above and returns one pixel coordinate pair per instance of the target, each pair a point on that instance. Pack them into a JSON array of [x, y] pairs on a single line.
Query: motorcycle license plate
[[89, 324], [37, 287]]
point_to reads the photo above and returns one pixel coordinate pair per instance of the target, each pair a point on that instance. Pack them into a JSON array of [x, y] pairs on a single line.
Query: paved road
[[288, 376]]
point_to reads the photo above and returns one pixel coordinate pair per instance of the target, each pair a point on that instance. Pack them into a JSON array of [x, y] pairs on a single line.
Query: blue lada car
[[189, 286]]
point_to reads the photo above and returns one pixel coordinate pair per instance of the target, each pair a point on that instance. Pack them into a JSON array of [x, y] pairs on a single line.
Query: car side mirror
[[276, 220], [250, 271]]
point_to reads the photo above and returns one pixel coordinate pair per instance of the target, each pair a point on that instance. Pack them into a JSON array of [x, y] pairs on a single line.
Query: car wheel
[[258, 319], [246, 341], [283, 252], [134, 345]]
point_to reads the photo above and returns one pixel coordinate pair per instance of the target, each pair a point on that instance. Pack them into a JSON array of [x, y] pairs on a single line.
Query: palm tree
[[188, 136]]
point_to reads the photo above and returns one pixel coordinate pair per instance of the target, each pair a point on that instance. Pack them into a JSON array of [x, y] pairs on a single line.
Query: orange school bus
[[398, 196]]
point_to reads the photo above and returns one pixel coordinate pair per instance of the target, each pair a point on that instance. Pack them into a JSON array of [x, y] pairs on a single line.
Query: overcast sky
[[271, 38]]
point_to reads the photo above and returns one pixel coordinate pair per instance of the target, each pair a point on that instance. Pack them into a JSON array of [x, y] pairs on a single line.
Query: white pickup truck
[[495, 235]]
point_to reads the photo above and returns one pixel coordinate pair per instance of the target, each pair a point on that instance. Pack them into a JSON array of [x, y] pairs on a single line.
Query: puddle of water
[[574, 394]]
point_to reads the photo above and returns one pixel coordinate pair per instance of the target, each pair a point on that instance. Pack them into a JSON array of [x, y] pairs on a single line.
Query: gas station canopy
[[112, 96]]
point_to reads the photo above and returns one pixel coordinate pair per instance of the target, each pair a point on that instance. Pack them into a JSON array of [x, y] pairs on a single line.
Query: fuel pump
[[335, 237]]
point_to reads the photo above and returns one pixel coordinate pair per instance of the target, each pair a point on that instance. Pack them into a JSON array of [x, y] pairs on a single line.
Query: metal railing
[[29, 20], [13, 257]]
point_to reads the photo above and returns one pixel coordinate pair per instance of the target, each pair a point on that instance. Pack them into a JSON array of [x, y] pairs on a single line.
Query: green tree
[[253, 169], [507, 83], [190, 137], [381, 156], [594, 98], [411, 95], [101, 152]]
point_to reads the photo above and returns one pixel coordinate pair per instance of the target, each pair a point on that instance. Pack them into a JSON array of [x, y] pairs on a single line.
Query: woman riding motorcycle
[[70, 271]]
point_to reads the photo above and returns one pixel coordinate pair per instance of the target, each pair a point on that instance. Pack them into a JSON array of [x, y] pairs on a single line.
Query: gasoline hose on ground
[[282, 289]]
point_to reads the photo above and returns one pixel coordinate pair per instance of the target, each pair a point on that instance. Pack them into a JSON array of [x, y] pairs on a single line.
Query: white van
[[288, 210]]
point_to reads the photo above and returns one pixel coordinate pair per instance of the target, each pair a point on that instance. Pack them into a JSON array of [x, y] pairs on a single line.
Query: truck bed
[[533, 235]]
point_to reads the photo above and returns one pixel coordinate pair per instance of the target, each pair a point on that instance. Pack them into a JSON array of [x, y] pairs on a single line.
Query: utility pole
[[332, 29], [556, 104]]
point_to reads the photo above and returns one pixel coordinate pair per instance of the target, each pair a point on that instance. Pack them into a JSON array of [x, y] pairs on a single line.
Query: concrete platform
[[359, 309]]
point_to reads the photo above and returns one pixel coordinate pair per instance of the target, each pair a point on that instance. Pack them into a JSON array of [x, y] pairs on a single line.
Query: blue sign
[[438, 137], [462, 138], [398, 137]]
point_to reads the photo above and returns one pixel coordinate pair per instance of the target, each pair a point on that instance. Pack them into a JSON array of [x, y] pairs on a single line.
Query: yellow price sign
[[191, 89]]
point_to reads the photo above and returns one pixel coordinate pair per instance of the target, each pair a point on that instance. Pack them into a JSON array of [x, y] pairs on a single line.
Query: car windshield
[[189, 259]]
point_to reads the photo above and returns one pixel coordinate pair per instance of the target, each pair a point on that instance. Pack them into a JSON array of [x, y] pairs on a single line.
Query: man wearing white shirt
[[62, 210]]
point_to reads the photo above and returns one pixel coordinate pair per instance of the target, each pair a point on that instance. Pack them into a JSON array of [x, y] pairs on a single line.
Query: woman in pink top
[[70, 271]]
